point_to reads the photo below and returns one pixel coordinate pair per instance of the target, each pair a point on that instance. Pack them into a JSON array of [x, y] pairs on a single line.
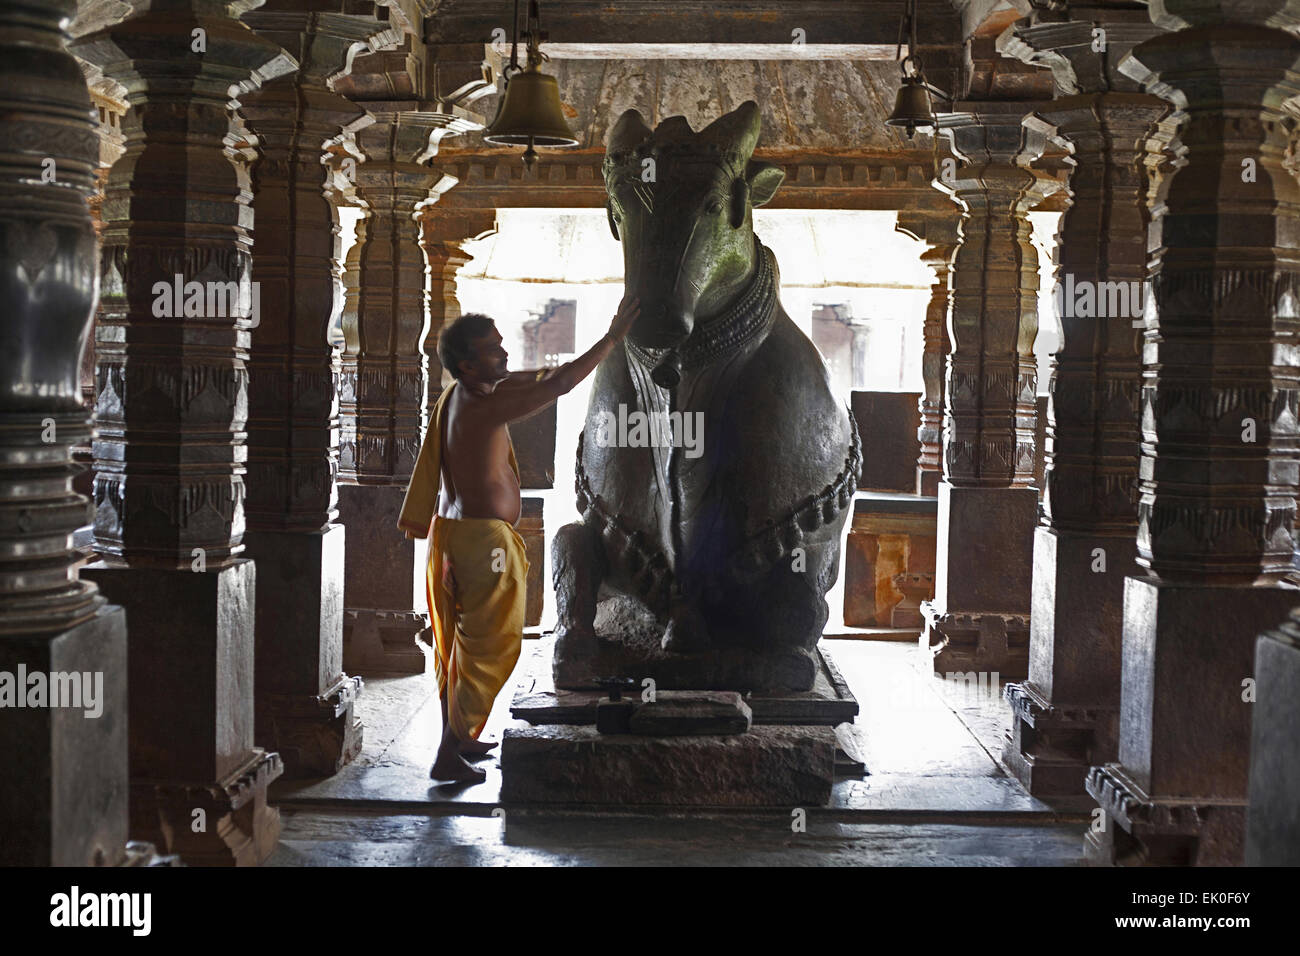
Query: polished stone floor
[[935, 793]]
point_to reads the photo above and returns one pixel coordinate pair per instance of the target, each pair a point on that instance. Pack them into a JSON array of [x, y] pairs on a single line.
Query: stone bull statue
[[703, 565]]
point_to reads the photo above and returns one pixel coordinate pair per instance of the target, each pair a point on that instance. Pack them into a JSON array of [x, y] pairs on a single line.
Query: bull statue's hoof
[[686, 631]]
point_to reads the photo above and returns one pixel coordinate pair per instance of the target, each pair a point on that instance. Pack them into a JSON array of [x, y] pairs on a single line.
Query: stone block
[[1273, 814], [533, 531], [384, 571], [767, 767], [534, 441], [674, 713], [1184, 723], [303, 698], [985, 549], [1077, 619], [190, 666], [891, 535], [64, 800], [888, 423]]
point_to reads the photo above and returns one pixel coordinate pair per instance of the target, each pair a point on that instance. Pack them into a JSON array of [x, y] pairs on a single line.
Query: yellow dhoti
[[475, 582], [476, 586]]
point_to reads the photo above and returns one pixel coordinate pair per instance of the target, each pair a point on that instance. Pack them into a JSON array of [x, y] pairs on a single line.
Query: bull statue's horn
[[630, 130], [739, 128]]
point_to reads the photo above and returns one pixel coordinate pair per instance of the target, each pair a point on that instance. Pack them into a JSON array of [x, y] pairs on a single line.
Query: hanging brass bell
[[530, 113], [912, 108]]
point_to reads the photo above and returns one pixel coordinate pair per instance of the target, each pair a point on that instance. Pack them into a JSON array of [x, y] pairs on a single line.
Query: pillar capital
[[1084, 50], [1187, 14]]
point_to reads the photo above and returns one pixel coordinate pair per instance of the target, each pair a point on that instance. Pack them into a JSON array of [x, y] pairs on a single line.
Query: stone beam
[[699, 22], [494, 179]]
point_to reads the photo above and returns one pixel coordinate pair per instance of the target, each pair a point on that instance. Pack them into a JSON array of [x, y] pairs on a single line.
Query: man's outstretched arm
[[520, 401]]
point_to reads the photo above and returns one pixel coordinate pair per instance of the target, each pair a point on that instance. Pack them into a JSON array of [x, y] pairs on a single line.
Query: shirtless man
[[478, 481]]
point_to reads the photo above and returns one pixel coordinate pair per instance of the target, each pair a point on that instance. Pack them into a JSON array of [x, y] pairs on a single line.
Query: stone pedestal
[[191, 713], [304, 697], [1273, 818], [1177, 795], [767, 767], [977, 620]]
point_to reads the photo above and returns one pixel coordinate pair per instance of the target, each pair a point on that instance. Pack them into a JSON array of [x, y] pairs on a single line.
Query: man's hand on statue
[[628, 310]]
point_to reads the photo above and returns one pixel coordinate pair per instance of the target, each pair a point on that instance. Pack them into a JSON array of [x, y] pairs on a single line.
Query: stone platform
[[830, 702], [767, 767]]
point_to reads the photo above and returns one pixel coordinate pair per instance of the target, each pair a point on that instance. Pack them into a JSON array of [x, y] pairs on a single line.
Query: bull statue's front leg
[[578, 560]]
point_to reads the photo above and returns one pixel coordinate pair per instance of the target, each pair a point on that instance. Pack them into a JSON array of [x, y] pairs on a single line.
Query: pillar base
[[984, 643], [226, 823], [979, 618], [190, 707], [1273, 823], [316, 736], [1051, 749], [303, 698], [64, 802], [1136, 830], [1066, 716], [384, 584], [1178, 792], [385, 642]]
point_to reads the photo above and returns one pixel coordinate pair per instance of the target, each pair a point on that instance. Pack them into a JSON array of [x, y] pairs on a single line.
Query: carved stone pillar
[[64, 802], [941, 235], [172, 400], [108, 100], [1067, 713], [383, 392], [443, 233], [979, 618], [1219, 439], [304, 697]]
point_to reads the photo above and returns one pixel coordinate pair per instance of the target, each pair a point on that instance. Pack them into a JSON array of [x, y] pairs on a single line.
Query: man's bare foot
[[455, 770], [477, 748]]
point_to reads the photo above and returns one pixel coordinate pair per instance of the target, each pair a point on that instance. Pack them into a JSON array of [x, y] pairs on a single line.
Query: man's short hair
[[455, 342]]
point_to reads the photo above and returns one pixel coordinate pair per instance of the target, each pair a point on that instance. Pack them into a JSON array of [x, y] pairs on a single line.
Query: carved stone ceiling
[[830, 106]]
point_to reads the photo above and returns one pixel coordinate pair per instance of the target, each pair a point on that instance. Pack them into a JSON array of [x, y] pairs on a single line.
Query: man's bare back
[[478, 481]]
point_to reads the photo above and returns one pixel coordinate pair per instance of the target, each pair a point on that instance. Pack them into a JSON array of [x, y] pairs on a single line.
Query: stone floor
[[935, 793]]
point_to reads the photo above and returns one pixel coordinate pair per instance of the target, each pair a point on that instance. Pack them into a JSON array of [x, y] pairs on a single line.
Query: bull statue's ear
[[609, 214], [764, 180], [739, 202]]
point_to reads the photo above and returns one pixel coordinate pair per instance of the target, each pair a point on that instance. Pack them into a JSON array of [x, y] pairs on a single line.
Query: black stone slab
[[830, 702]]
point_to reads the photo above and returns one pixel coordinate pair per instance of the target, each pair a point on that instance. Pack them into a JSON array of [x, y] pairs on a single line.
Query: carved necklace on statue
[[747, 319]]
